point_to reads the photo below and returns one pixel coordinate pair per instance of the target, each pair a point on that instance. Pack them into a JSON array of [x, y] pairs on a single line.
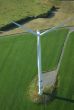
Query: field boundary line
[[10, 35]]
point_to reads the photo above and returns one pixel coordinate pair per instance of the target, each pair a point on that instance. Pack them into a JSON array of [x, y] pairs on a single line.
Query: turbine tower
[[40, 79], [38, 34]]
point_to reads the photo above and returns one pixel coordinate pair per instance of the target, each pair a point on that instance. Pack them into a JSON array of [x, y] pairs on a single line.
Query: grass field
[[18, 9], [18, 66]]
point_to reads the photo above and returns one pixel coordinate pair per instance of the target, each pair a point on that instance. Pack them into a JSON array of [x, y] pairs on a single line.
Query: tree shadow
[[49, 14]]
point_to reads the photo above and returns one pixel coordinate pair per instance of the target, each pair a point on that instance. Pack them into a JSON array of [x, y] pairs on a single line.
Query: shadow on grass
[[49, 14], [54, 96]]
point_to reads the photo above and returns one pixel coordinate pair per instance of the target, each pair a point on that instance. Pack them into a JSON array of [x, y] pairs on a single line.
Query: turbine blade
[[24, 28], [56, 27]]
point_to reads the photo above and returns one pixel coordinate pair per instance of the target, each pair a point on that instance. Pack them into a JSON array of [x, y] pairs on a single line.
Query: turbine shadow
[[54, 96]]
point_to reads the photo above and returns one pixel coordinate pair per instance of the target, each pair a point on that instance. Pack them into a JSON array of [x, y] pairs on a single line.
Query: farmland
[[18, 67]]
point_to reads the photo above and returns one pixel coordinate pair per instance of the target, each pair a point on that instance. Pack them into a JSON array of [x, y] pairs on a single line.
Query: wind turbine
[[38, 34]]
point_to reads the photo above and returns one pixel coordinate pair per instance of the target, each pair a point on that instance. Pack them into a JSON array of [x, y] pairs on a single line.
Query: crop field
[[18, 67]]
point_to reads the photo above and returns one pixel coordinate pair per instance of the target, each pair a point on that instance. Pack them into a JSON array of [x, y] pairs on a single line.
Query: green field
[[18, 67], [13, 10]]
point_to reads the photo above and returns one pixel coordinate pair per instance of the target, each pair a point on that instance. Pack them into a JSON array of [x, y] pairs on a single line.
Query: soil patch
[[49, 85]]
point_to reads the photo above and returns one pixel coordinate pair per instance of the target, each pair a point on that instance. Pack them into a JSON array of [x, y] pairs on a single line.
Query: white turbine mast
[[38, 34], [40, 78]]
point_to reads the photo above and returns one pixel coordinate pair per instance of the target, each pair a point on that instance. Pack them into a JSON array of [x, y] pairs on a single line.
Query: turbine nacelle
[[38, 32]]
